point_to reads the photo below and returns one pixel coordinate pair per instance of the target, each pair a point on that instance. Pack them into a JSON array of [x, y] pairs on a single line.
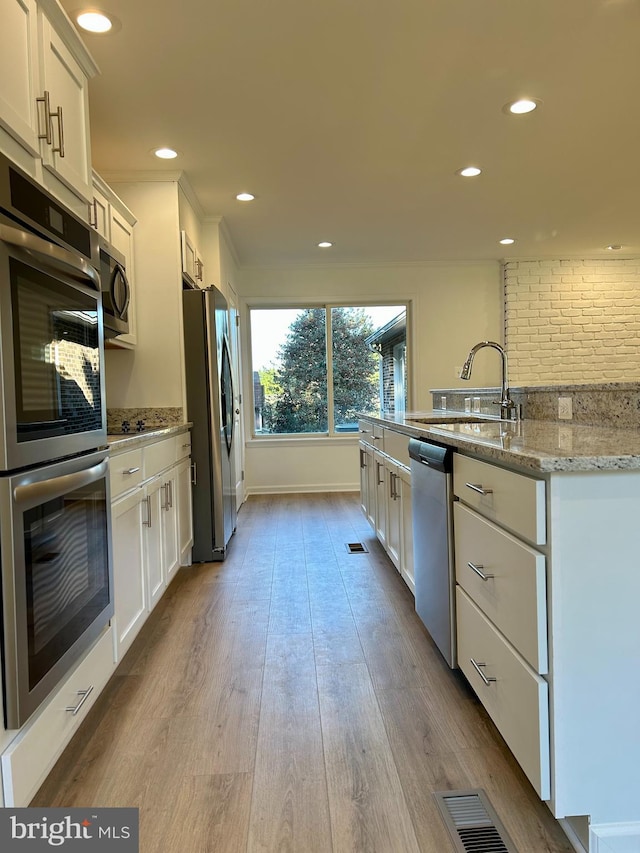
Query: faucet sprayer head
[[465, 373]]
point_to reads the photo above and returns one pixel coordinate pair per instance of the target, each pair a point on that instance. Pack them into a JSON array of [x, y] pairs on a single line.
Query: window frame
[[298, 305]]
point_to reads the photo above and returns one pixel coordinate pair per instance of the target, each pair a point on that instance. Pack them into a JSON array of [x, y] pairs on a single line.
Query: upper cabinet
[[44, 105], [192, 265], [190, 217]]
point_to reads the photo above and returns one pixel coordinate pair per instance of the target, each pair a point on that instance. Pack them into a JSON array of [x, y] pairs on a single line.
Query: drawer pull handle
[[131, 471], [186, 445], [377, 438], [480, 489], [479, 572], [487, 679], [84, 695]]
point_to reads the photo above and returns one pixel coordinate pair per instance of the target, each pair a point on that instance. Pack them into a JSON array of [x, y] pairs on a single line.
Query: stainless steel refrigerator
[[210, 408]]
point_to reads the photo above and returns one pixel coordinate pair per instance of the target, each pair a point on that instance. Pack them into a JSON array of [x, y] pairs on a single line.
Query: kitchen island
[[552, 522]]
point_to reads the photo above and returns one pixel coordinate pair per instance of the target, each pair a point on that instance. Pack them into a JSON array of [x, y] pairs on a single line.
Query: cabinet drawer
[[158, 456], [125, 471], [365, 429], [517, 701], [183, 446], [514, 595], [512, 500], [396, 445], [29, 758]]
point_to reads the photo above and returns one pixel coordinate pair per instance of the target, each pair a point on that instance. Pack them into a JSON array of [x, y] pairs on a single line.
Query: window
[[315, 368]]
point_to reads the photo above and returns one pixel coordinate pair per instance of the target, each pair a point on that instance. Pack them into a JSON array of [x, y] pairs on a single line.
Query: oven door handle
[[34, 494], [51, 256]]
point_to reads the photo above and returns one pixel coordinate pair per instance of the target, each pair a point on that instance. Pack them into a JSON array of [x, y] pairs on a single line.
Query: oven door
[[56, 579], [52, 352]]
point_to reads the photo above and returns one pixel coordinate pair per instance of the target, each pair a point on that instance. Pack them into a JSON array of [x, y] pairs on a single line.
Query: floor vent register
[[356, 548], [472, 822]]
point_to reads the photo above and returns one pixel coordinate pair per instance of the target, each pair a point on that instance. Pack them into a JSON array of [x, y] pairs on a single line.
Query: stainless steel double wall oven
[[54, 486]]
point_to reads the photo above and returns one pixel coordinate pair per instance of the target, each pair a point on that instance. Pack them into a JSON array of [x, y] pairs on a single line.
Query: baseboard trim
[[302, 489], [614, 837]]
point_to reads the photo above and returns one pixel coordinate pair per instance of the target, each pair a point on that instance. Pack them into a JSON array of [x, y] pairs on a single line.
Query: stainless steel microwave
[[116, 293]]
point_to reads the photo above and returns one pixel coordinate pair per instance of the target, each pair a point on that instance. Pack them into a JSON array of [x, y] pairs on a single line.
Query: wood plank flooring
[[290, 700]]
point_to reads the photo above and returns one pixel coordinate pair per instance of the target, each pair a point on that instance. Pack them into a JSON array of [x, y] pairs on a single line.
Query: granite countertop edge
[[539, 446], [118, 443]]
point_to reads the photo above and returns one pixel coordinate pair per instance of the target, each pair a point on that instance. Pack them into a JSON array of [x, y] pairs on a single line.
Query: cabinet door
[[130, 598], [189, 257], [394, 509], [406, 527], [169, 525], [381, 478], [364, 479], [185, 512], [18, 72], [154, 564], [68, 156], [99, 213]]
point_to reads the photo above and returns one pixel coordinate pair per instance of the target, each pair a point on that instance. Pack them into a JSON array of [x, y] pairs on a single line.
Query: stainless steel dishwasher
[[432, 497]]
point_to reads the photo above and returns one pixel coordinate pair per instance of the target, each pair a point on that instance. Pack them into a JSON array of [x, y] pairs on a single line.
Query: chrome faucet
[[507, 406]]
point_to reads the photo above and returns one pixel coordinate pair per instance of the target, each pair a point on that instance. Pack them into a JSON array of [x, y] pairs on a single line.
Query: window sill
[[304, 440]]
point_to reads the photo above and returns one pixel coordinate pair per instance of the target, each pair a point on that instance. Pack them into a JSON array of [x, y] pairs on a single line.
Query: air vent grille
[[356, 548], [472, 822]]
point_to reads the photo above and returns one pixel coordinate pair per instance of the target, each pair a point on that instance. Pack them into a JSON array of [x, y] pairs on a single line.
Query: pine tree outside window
[[314, 368]]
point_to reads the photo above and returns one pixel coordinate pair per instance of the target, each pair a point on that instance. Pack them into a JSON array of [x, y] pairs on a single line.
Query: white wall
[[452, 307]]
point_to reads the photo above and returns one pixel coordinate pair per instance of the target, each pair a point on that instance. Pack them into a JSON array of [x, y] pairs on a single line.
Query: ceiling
[[348, 120]]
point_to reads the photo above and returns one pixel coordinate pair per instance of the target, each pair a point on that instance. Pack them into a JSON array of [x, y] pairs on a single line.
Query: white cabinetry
[[19, 84], [33, 752], [44, 106], [502, 606], [385, 492], [151, 519], [66, 147], [192, 263]]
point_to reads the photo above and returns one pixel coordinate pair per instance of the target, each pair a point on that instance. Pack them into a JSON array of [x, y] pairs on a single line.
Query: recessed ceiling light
[[469, 171], [245, 197], [507, 241], [94, 21], [614, 247], [522, 106], [165, 153], [325, 245]]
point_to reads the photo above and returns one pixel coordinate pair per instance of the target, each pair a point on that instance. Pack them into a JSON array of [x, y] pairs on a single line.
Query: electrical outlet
[[443, 401], [565, 408], [476, 405]]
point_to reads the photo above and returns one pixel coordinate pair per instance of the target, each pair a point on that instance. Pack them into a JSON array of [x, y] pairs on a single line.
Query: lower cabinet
[[129, 582], [33, 752], [385, 496], [152, 536]]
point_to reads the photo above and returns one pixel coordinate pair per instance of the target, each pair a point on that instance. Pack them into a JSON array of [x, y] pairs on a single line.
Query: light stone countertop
[[541, 446], [128, 441]]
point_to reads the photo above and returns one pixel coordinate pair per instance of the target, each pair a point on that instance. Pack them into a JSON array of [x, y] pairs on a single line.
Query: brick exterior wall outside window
[[388, 392], [572, 321]]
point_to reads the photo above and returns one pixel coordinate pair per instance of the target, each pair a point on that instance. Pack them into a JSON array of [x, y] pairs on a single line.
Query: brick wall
[[572, 321]]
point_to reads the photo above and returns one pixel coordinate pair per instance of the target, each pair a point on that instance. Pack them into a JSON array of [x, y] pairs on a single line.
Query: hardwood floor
[[290, 700]]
